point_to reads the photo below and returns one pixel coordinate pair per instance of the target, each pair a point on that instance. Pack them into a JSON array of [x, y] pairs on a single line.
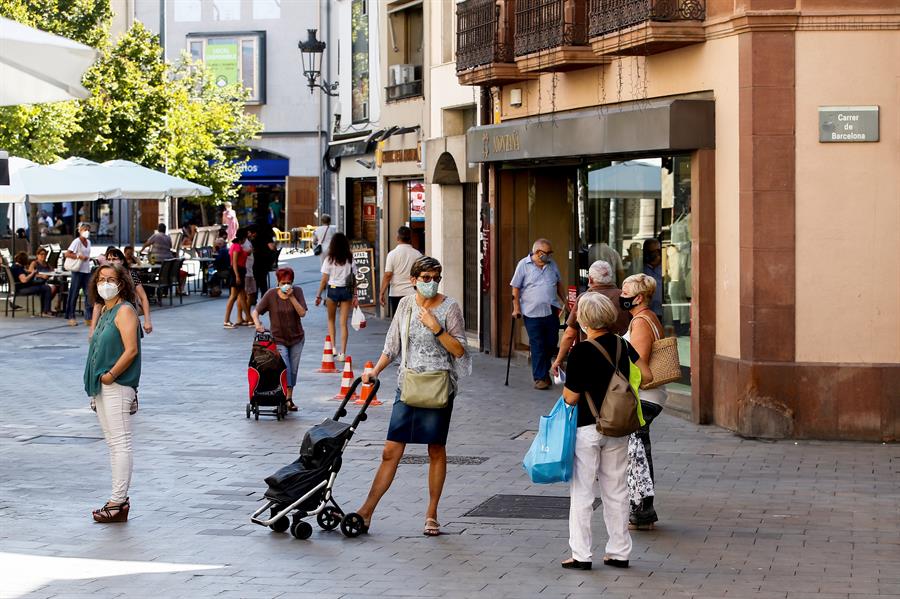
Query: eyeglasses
[[108, 280], [429, 278], [550, 253]]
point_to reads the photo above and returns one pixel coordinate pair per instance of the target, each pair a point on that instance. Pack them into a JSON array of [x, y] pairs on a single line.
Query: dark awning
[[670, 125]]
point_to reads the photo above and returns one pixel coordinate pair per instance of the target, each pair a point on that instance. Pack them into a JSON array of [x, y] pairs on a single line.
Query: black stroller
[[304, 486], [267, 379]]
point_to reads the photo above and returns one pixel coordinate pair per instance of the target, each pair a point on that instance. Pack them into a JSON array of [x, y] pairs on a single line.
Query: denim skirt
[[419, 425]]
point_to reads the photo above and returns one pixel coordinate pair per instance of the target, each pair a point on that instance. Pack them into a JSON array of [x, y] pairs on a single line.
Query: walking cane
[[512, 330]]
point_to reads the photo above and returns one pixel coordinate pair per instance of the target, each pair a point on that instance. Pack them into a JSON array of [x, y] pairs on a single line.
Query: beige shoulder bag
[[663, 362], [422, 389]]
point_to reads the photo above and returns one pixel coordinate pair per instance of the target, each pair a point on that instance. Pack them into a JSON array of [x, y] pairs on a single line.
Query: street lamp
[[311, 52]]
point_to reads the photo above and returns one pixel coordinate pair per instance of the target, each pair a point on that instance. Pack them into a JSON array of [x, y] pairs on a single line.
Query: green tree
[[206, 130], [128, 102]]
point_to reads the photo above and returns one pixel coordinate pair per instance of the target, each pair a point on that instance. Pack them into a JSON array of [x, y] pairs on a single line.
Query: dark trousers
[[43, 290], [261, 274], [543, 336], [78, 283], [394, 301], [644, 510]]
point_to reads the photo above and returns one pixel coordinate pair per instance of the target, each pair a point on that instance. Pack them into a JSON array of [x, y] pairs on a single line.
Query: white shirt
[[82, 247], [248, 247], [337, 273], [400, 261], [323, 235]]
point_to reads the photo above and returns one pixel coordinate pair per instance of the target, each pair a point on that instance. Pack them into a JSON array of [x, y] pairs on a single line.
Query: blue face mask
[[286, 288], [428, 290]]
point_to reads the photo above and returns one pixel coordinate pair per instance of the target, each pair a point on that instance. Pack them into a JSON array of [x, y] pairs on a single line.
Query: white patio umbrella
[[36, 66], [40, 184], [140, 182]]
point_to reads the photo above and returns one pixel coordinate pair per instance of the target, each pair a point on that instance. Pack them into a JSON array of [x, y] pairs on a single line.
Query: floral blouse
[[425, 352]]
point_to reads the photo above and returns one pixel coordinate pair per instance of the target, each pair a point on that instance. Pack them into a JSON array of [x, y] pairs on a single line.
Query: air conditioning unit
[[399, 74]]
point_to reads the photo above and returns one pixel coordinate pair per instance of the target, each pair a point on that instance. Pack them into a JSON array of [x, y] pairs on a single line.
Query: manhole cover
[[49, 347], [62, 440], [460, 460], [533, 507]]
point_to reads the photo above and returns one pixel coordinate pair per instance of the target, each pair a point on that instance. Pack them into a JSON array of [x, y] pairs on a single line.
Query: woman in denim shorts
[[338, 275]]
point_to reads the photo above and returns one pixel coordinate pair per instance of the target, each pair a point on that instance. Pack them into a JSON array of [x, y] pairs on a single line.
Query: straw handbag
[[664, 362]]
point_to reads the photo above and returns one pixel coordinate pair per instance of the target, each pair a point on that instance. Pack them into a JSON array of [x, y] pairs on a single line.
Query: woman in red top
[[238, 257]]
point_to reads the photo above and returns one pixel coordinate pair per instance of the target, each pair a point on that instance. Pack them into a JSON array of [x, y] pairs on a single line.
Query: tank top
[[104, 351]]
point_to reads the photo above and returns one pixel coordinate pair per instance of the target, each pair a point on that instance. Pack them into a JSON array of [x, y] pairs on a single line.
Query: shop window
[[627, 206], [234, 58], [405, 50]]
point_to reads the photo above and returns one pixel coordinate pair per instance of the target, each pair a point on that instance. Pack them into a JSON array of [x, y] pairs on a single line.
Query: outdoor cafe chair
[[167, 280], [8, 288]]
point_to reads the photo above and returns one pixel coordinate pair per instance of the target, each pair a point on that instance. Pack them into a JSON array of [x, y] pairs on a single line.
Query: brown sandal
[[112, 512], [432, 528]]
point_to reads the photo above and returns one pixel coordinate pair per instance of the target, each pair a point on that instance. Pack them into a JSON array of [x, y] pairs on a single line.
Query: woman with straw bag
[[645, 333]]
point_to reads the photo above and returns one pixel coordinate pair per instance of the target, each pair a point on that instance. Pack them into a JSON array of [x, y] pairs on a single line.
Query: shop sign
[[365, 276], [267, 168], [222, 60], [485, 253], [369, 208], [853, 124]]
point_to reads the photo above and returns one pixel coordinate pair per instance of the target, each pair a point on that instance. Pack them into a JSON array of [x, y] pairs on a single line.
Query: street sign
[[853, 124]]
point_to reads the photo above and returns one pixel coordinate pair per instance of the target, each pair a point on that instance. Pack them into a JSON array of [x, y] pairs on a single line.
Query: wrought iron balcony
[[484, 49], [661, 24], [551, 35]]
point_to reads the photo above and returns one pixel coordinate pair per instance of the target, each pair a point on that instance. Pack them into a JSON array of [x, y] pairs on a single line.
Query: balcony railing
[[479, 40], [610, 16], [402, 91], [546, 24]]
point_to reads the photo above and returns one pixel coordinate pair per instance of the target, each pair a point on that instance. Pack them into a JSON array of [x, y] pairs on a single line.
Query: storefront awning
[[640, 128]]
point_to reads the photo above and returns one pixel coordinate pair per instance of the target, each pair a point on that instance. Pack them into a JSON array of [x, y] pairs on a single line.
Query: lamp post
[[311, 52]]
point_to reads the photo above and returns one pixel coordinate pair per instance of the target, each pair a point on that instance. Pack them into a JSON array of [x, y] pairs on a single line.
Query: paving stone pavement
[[739, 518]]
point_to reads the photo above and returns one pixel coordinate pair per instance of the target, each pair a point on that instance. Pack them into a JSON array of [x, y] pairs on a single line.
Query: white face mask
[[85, 234], [107, 290]]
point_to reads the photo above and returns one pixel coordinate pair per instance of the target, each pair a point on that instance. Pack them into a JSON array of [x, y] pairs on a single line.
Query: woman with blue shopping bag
[[552, 452], [592, 367]]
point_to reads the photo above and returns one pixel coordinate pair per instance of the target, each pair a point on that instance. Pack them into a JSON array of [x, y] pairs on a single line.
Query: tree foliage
[[165, 116]]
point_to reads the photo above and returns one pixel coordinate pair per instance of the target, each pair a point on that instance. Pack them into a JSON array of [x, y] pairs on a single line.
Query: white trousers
[[606, 458], [113, 405]]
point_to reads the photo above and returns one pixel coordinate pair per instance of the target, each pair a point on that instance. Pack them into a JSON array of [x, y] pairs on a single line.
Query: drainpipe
[[485, 117], [326, 187]]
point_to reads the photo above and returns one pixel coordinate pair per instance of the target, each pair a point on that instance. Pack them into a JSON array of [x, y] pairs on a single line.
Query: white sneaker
[[339, 358]]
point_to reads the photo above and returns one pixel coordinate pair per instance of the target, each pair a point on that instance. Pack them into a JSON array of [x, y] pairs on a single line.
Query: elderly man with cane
[[537, 294]]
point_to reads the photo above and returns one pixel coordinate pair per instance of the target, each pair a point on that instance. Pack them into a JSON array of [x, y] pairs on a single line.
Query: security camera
[[369, 164]]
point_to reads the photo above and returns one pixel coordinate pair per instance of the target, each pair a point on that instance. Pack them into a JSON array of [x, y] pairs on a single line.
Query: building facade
[[254, 42], [756, 141]]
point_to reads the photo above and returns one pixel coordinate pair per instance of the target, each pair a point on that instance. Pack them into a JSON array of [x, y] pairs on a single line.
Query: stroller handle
[[342, 409]]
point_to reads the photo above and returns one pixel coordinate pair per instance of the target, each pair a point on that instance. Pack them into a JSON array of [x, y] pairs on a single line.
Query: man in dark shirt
[[653, 267], [600, 280], [263, 254]]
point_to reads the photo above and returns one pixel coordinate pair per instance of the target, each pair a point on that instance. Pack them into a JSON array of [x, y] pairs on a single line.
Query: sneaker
[[339, 358]]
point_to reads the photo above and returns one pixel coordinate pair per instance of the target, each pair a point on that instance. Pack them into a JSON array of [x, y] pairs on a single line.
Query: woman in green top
[[111, 377]]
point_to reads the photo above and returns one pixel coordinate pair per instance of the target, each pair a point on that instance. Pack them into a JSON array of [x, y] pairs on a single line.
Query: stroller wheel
[[329, 518], [301, 530], [280, 525], [256, 413], [352, 525], [249, 409]]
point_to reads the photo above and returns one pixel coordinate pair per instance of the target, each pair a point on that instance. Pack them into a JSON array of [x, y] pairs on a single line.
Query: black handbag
[[318, 249]]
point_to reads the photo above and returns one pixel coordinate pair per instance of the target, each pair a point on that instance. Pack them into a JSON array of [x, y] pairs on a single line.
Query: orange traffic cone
[[346, 380], [367, 387], [328, 357]]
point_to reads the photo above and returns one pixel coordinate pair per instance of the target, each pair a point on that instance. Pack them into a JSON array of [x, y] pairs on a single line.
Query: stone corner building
[[759, 140]]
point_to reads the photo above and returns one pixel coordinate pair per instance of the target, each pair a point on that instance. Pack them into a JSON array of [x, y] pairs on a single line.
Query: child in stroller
[[303, 487]]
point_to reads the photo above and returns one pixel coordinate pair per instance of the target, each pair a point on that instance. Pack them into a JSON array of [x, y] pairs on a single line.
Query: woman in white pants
[[111, 377], [598, 456]]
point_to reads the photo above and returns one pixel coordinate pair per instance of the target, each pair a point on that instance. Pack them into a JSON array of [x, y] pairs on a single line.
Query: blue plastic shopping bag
[[551, 455]]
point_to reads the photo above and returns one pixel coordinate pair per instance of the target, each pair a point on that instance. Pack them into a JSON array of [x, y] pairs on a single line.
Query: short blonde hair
[[596, 311], [644, 285]]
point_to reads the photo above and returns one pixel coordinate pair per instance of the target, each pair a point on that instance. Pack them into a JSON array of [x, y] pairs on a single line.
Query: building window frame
[[255, 40]]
